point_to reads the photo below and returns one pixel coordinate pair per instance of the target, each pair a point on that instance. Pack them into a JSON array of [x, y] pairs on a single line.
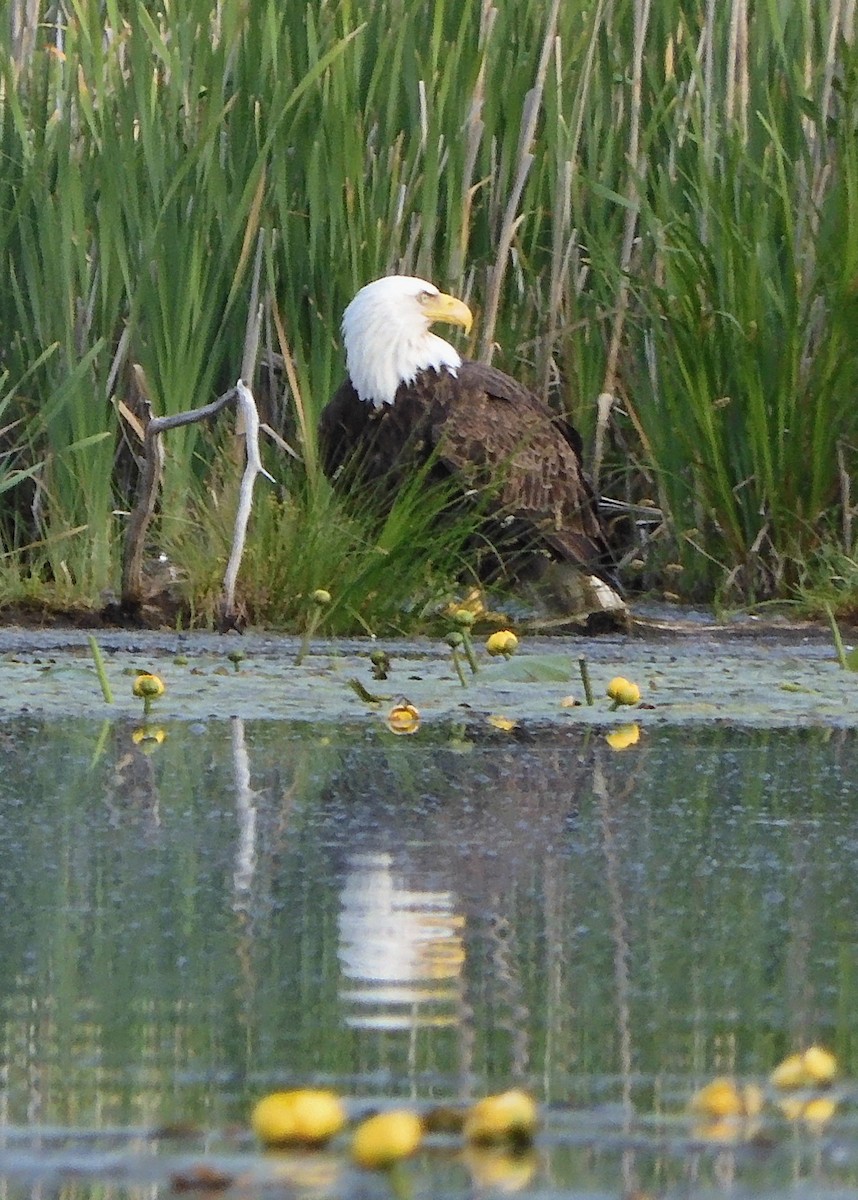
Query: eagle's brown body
[[486, 430]]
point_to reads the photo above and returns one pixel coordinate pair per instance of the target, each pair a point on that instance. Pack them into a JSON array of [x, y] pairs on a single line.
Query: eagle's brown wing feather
[[490, 432], [501, 434], [359, 444]]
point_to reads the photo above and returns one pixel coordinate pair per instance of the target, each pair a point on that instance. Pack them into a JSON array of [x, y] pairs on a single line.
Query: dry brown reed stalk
[[305, 427], [636, 173], [847, 508], [586, 79], [737, 82], [564, 236], [524, 159], [24, 17], [562, 246], [474, 126], [841, 20]]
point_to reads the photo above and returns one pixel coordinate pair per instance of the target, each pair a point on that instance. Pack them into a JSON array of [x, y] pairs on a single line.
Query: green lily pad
[[538, 668]]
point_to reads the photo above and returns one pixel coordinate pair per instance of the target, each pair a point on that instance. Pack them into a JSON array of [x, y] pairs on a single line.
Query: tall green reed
[[747, 306], [647, 204]]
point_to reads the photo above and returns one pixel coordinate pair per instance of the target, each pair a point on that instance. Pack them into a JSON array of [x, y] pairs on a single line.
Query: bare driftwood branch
[[247, 426], [147, 491], [250, 421]]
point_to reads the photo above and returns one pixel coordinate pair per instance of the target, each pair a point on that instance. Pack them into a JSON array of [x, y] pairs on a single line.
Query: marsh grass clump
[[652, 220], [388, 572]]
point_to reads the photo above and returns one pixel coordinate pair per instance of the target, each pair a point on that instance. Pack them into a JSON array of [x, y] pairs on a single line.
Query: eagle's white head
[[387, 337]]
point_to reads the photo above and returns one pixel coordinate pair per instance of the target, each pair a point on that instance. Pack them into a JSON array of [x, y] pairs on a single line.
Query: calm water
[[253, 906]]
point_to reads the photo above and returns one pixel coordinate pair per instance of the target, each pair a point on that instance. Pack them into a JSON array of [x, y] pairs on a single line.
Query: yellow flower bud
[[623, 691], [382, 1140], [790, 1073], [305, 1117], [503, 642], [507, 1117], [720, 1098], [321, 597], [403, 718], [820, 1064], [464, 618], [147, 687], [815, 1067]]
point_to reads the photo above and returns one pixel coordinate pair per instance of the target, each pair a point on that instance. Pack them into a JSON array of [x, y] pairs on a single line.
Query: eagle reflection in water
[[401, 950]]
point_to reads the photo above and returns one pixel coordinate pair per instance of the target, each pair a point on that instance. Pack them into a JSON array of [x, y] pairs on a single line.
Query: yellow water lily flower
[[720, 1098], [820, 1064], [503, 642], [304, 1117], [147, 687], [814, 1067], [625, 736], [511, 1116], [623, 691], [790, 1073], [724, 1098], [403, 718], [385, 1139]]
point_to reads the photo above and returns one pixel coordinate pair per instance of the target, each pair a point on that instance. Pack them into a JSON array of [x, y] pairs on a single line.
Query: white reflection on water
[[400, 950]]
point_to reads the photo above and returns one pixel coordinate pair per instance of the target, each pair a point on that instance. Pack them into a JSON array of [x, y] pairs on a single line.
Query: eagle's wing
[[340, 429], [488, 431], [361, 445], [492, 432]]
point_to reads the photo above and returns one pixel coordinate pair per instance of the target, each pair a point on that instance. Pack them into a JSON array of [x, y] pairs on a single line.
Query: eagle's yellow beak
[[448, 309]]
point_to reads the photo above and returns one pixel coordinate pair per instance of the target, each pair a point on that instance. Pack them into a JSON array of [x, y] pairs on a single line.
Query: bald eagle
[[410, 399]]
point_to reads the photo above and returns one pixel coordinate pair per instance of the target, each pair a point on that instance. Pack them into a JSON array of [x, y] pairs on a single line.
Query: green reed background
[[651, 203]]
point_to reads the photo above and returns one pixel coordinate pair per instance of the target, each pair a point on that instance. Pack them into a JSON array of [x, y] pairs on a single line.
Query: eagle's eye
[[424, 297]]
